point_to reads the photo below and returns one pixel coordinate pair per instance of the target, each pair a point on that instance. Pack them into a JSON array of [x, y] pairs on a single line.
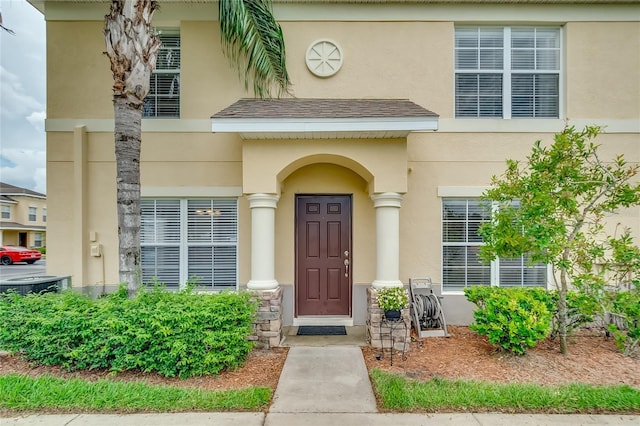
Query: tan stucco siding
[[406, 60], [81, 85], [168, 160], [192, 159], [603, 61], [410, 57], [20, 211], [206, 77], [60, 247], [468, 161], [266, 161], [176, 146], [597, 55]]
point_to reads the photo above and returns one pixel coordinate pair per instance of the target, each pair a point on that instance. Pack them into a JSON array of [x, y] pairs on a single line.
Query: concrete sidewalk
[[318, 419], [320, 386]]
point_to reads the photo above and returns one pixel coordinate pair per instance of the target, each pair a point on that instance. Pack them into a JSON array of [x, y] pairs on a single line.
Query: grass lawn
[[400, 394], [22, 393]]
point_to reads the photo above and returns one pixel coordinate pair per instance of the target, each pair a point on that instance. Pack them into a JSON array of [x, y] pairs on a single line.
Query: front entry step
[[347, 321], [356, 336]]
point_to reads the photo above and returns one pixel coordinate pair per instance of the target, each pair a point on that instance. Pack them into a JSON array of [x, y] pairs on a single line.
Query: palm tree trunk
[[132, 48], [128, 120]]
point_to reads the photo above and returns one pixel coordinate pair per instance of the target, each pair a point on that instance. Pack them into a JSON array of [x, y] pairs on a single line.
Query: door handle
[[346, 265]]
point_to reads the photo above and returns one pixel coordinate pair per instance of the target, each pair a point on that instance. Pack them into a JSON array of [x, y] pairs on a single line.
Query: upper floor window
[[163, 99], [6, 212], [44, 214], [461, 265], [33, 213], [507, 72]]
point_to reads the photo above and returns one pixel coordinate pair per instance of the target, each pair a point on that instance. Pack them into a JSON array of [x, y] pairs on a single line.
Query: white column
[[263, 208], [387, 205]]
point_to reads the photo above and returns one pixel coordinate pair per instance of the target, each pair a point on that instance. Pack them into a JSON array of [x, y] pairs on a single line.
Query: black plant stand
[[392, 324]]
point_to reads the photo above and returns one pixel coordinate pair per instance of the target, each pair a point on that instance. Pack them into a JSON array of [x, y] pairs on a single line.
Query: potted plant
[[392, 300]]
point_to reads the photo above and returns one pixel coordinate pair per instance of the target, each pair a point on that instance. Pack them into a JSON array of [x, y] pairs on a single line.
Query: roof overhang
[[323, 118]]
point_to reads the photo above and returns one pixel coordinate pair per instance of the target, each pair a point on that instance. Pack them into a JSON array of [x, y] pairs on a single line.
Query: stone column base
[[379, 334], [267, 328]]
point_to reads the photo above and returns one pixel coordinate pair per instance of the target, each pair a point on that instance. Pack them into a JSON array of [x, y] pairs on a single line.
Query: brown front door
[[323, 255]]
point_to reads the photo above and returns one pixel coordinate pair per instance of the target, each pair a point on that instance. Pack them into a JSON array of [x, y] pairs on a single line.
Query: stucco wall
[[602, 61], [400, 52]]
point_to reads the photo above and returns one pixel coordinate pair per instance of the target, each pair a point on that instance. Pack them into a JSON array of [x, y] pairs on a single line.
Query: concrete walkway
[[330, 379], [320, 386]]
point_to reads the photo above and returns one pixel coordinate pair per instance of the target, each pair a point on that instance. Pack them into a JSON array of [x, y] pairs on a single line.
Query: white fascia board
[[232, 125]]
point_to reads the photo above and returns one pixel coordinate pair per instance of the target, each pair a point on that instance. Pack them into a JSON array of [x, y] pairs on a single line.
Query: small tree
[[552, 208]]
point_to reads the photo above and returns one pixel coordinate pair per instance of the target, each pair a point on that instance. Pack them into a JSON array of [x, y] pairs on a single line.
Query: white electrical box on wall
[[96, 250]]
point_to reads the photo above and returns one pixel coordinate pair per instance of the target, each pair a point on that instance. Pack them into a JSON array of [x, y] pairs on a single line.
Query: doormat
[[322, 330]]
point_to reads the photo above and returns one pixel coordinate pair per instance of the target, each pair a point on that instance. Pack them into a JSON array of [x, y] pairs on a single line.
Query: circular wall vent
[[324, 58]]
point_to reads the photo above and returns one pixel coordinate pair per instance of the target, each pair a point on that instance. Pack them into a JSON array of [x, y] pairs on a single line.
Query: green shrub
[[172, 333], [514, 319], [581, 310], [626, 306]]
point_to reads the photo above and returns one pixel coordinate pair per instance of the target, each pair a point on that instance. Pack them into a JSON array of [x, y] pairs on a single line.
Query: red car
[[12, 254]]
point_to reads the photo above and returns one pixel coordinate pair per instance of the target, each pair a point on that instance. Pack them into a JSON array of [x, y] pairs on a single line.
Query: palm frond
[[253, 41], [10, 31]]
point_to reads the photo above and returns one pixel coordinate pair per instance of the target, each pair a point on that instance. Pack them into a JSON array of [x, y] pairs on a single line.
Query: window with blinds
[[190, 240], [163, 99], [461, 266], [507, 72], [33, 214]]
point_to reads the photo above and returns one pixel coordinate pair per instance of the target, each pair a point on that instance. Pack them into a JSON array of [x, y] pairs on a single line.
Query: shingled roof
[[7, 189], [323, 118]]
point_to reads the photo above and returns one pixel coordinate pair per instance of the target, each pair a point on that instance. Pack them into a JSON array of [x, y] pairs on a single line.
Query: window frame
[[185, 240], [33, 214], [494, 266], [6, 212], [44, 214], [38, 239], [153, 101], [508, 71]]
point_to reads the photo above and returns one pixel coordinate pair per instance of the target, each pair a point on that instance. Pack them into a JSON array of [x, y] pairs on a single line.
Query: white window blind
[[160, 242], [38, 239], [516, 273], [212, 240], [163, 99], [6, 212], [461, 243], [190, 240], [461, 266], [507, 72]]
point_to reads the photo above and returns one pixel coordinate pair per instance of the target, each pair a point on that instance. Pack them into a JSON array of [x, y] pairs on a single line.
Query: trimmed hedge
[[172, 333], [514, 319]]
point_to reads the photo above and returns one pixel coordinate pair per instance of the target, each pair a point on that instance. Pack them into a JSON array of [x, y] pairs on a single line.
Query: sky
[[22, 96]]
